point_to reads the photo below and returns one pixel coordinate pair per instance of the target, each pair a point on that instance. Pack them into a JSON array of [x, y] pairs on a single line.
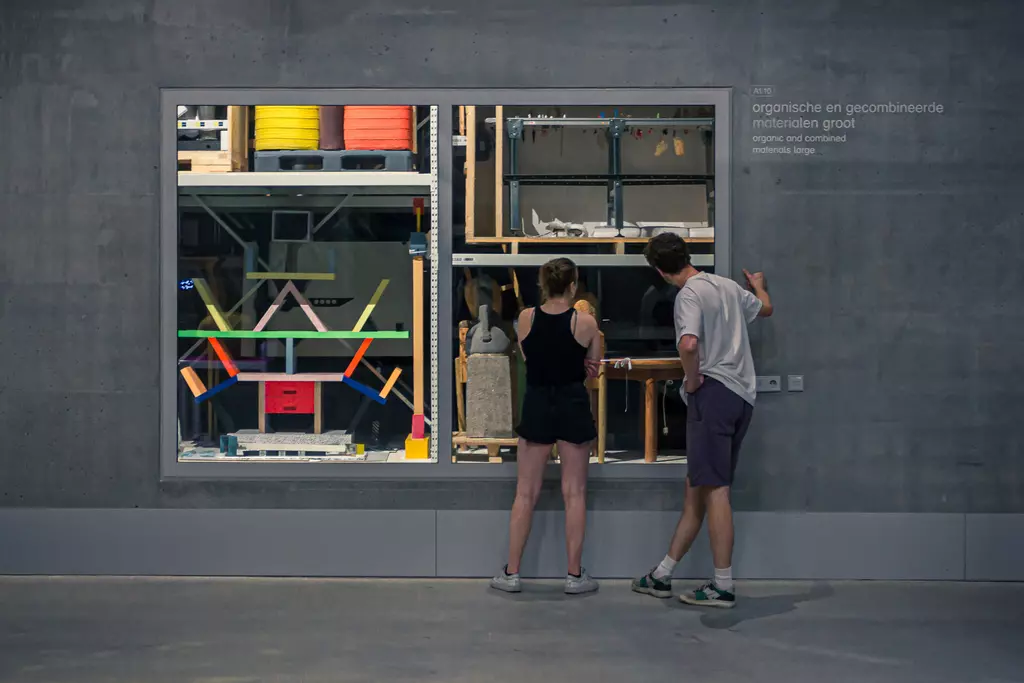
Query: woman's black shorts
[[557, 413]]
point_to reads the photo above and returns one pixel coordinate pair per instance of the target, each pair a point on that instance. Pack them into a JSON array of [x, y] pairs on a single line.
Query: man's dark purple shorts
[[716, 422]]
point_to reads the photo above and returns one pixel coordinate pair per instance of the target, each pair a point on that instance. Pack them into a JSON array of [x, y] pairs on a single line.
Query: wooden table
[[649, 371]]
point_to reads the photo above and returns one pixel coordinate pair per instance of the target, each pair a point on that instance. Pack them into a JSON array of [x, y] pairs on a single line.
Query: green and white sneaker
[[659, 588], [709, 595]]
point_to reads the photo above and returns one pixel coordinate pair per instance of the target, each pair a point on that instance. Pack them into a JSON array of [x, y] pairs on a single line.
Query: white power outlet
[[795, 382], [767, 384]]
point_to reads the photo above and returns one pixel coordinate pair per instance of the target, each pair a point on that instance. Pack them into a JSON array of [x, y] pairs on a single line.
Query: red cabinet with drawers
[[289, 398]]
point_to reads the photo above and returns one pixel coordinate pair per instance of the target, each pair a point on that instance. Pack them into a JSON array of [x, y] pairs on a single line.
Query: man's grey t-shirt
[[717, 311]]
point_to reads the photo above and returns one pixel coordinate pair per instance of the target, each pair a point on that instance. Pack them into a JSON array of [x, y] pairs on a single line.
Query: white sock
[[723, 578], [664, 570]]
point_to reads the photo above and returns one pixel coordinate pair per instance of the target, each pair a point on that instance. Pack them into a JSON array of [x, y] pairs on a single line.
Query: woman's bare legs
[[531, 459], [575, 459]]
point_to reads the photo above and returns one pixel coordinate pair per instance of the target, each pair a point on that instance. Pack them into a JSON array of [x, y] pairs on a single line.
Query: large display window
[[302, 282], [592, 183], [329, 255]]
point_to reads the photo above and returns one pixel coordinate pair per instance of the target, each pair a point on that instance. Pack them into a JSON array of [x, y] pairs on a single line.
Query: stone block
[[488, 395]]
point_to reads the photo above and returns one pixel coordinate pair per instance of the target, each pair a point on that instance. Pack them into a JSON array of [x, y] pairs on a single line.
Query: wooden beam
[[499, 171], [262, 408], [460, 377], [460, 439], [650, 420], [602, 407], [263, 377], [470, 133], [238, 137], [415, 131], [318, 408]]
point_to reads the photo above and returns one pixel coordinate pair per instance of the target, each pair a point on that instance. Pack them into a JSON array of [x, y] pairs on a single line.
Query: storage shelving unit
[[614, 179], [218, 193], [520, 249]]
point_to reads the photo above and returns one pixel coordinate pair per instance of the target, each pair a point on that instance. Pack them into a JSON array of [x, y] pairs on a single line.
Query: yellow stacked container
[[287, 128]]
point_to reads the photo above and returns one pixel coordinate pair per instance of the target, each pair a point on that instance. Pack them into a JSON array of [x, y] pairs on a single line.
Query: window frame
[[441, 380]]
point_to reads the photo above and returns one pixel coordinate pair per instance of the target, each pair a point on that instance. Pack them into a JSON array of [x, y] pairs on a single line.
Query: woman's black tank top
[[553, 356]]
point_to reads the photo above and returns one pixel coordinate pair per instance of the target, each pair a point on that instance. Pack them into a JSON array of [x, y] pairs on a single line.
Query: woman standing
[[561, 347]]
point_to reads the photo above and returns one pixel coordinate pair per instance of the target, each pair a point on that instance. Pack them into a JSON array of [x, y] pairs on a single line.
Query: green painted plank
[[289, 334]]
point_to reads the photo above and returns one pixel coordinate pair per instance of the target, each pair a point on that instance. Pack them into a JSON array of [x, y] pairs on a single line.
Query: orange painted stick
[[390, 383], [358, 357], [222, 353], [193, 381]]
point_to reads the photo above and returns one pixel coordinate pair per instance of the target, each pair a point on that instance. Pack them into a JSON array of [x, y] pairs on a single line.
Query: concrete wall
[[893, 258]]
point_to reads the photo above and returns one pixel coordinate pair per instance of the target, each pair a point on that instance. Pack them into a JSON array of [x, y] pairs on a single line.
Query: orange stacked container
[[379, 128]]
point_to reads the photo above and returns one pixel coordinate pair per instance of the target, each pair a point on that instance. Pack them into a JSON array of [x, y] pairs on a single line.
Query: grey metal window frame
[[441, 381]]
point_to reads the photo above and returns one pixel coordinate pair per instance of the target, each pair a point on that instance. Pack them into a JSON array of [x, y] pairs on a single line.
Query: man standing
[[711, 317]]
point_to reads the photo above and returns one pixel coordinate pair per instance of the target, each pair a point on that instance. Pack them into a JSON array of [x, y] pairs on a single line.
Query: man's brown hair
[[668, 253]]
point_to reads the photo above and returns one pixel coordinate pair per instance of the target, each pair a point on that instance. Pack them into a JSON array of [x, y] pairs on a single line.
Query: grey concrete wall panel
[[995, 547], [891, 259], [769, 545], [218, 542], [850, 546]]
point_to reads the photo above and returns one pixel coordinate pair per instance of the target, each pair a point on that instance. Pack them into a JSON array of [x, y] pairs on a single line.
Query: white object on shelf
[[702, 233], [661, 230]]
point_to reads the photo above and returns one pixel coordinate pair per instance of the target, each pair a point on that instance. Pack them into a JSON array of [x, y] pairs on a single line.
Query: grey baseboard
[[472, 543], [218, 542], [995, 548], [769, 545]]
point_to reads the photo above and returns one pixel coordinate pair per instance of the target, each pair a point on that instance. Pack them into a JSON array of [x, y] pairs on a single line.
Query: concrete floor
[[242, 630]]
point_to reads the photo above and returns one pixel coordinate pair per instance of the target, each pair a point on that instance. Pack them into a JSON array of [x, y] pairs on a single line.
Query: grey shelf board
[[596, 121], [307, 182]]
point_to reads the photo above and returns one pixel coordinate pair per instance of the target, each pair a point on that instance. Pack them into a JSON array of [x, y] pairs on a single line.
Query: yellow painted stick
[[370, 306], [211, 305]]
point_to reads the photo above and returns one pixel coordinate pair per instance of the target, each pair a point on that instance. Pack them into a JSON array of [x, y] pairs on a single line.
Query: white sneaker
[[509, 583], [575, 585]]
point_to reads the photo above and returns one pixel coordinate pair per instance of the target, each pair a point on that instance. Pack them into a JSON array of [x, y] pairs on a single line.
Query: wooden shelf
[[461, 439]]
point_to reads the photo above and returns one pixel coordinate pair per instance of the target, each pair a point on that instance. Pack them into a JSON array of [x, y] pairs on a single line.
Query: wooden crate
[[233, 159]]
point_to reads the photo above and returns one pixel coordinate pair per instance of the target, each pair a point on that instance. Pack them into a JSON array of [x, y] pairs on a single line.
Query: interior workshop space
[[593, 183]]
